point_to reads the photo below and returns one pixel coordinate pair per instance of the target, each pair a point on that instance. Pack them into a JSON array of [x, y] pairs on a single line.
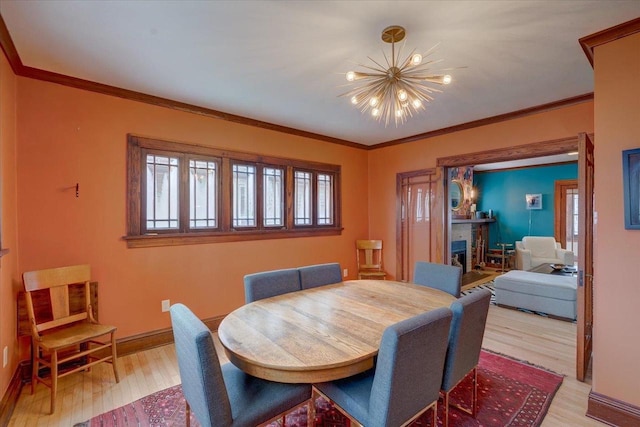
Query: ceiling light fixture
[[398, 90]]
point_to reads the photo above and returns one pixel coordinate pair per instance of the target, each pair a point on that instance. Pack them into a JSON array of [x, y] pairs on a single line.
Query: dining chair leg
[[434, 419], [35, 366], [188, 413], [445, 421], [311, 411], [54, 379], [474, 398], [114, 357]]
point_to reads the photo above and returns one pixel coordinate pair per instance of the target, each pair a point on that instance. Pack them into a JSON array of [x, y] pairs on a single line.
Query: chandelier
[[399, 89]]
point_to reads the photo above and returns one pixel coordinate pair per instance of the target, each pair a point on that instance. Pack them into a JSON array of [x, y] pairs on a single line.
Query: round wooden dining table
[[323, 333]]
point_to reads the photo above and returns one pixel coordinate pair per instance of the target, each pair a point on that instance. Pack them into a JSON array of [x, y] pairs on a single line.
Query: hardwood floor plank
[[541, 341]]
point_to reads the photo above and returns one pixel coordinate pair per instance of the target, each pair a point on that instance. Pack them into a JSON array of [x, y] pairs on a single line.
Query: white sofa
[[533, 251]]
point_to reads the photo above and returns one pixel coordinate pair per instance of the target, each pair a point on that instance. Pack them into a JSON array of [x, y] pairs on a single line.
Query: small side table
[[504, 246]]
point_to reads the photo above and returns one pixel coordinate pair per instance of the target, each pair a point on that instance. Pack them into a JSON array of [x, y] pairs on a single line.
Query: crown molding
[[589, 43], [491, 120]]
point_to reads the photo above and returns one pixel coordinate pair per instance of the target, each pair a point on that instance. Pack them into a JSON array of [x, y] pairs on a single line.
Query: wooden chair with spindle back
[[62, 334], [369, 259]]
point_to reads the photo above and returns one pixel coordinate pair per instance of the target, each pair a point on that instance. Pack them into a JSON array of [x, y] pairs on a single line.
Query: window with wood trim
[[272, 196], [185, 194]]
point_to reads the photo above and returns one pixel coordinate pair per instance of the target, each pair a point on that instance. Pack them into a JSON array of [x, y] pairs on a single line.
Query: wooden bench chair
[[60, 333]]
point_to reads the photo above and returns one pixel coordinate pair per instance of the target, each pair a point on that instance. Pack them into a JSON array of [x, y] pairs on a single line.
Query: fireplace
[[459, 254]]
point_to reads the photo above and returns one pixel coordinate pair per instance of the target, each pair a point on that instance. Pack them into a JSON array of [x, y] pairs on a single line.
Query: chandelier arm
[[423, 66], [413, 71], [372, 87], [386, 59], [423, 92], [413, 95], [379, 71], [398, 115], [431, 50], [427, 89], [403, 45], [439, 79], [407, 62]]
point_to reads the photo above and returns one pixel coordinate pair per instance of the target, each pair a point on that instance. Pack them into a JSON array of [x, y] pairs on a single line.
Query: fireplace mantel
[[473, 221]]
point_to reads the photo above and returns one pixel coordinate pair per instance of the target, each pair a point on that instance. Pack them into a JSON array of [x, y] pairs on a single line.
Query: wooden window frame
[[138, 237], [256, 198], [261, 205]]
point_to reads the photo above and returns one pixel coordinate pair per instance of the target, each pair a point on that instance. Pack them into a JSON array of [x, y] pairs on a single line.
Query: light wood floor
[[541, 341]]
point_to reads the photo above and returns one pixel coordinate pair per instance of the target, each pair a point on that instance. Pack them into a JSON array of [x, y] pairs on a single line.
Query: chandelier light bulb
[[416, 59], [375, 112], [351, 76], [446, 79], [354, 100], [402, 95], [373, 101], [416, 103]]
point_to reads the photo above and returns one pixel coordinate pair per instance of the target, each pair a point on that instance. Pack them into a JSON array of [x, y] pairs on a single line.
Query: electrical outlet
[[5, 356], [166, 304], [345, 272]]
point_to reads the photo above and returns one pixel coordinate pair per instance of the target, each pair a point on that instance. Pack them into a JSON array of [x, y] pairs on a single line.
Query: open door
[[585, 256]]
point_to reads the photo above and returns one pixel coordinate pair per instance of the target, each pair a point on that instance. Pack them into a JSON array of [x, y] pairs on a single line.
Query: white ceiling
[[283, 62]]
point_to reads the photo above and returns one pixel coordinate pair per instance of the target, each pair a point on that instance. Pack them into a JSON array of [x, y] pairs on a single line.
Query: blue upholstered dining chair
[[407, 376], [267, 284], [313, 276], [444, 277], [224, 395], [465, 342]]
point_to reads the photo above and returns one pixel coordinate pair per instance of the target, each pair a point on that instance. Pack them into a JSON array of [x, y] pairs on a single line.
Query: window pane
[[302, 194], [273, 189], [244, 196], [162, 192], [419, 211], [325, 199], [203, 201]]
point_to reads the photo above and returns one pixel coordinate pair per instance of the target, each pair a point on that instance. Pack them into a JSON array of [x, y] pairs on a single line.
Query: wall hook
[[77, 190]]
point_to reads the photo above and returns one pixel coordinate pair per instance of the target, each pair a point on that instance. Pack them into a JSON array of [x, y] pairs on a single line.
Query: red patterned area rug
[[510, 393]]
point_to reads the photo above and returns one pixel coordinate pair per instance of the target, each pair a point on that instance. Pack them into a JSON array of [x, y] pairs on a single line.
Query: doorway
[[566, 214], [584, 145], [417, 225]]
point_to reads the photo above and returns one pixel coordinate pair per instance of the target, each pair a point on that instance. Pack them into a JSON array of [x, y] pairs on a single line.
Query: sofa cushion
[[539, 284], [540, 247], [539, 261]]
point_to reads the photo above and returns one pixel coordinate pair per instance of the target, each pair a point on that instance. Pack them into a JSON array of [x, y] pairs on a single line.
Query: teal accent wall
[[504, 192]]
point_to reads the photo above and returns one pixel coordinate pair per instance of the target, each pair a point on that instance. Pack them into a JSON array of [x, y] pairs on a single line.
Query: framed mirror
[[456, 194]]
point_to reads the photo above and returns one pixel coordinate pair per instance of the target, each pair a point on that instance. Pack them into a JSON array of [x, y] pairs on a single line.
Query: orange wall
[[9, 273], [69, 136], [617, 251], [385, 163]]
